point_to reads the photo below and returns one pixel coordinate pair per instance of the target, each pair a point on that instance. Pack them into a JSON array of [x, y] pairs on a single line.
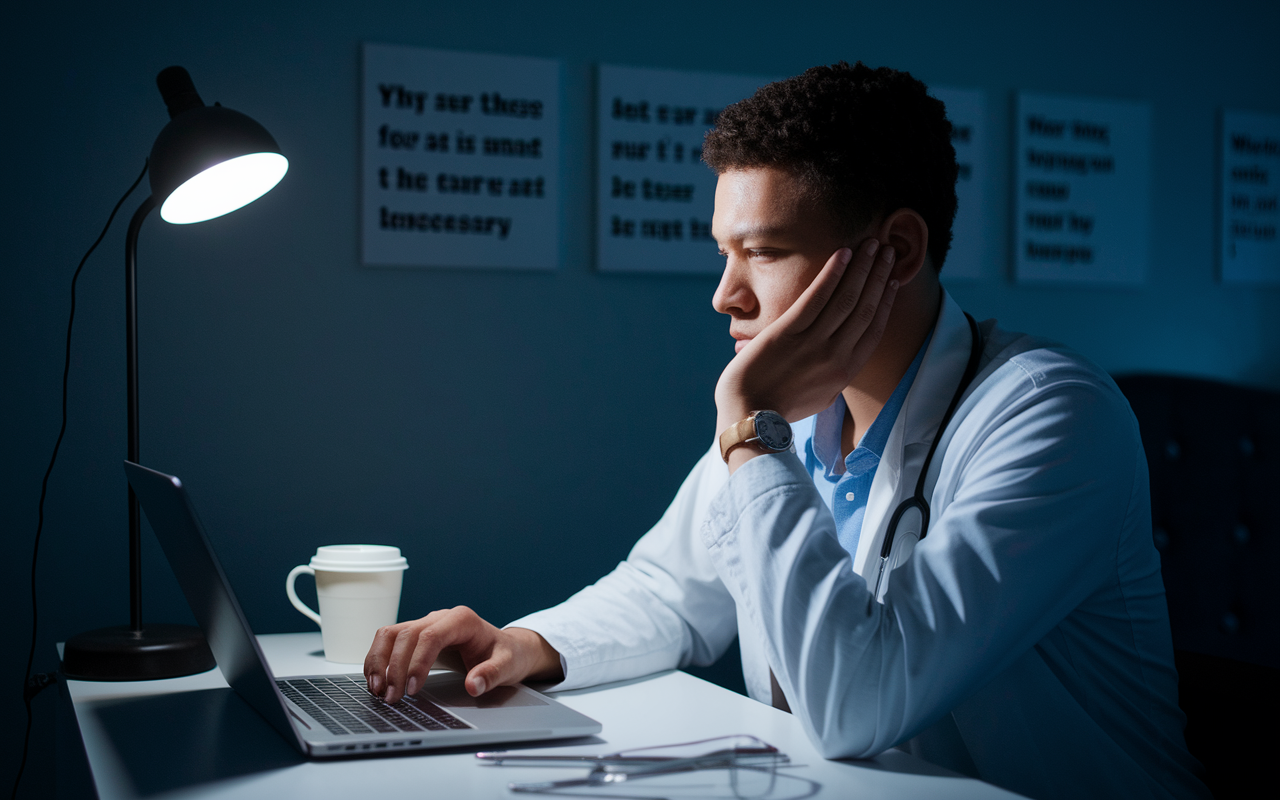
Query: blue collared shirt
[[845, 485]]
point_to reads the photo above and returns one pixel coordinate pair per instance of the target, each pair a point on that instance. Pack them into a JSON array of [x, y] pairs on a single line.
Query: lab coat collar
[[913, 431]]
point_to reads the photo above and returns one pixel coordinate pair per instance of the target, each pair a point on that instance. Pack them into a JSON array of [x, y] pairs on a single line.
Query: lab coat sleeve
[[662, 608], [1031, 530]]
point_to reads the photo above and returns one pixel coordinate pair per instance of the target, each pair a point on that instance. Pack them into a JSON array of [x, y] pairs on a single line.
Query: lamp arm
[[131, 347]]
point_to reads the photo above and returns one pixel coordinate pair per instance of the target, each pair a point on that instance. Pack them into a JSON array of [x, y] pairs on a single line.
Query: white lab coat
[[1024, 641]]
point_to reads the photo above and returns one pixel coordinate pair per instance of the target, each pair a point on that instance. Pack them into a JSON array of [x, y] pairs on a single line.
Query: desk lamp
[[208, 161]]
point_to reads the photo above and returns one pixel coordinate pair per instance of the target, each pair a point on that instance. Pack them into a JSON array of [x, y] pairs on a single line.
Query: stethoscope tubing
[[917, 500]]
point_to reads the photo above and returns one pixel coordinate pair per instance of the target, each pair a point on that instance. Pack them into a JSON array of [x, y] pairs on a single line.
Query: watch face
[[772, 430]]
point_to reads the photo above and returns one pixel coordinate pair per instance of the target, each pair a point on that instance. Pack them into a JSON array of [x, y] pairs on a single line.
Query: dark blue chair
[[1213, 450]]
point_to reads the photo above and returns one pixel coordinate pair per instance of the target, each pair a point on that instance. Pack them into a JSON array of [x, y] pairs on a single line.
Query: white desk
[[193, 738]]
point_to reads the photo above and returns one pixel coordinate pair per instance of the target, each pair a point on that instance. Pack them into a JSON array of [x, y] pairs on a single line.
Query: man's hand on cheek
[[802, 360]]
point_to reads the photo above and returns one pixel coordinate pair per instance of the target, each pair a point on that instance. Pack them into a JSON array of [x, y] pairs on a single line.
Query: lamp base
[[123, 654]]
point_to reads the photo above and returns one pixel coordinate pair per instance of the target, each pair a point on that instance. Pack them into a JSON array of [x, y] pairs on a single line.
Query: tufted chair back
[[1213, 450]]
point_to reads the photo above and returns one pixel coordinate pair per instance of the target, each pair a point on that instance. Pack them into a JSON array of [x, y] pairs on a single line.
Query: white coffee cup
[[358, 586]]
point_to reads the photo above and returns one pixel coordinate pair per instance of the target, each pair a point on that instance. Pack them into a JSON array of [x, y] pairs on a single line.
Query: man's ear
[[907, 232]]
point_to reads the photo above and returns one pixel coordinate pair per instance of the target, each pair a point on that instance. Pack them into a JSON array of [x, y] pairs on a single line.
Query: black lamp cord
[[32, 685]]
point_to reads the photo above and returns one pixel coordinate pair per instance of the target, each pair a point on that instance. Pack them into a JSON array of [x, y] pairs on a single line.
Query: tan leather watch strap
[[739, 433]]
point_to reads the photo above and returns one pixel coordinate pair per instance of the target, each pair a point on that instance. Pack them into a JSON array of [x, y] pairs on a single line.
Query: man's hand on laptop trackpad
[[451, 660], [402, 655]]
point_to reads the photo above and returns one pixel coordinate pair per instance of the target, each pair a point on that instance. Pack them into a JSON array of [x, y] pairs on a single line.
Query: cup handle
[[293, 596]]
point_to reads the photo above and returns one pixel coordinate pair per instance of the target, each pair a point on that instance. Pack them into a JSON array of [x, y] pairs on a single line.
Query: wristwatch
[[766, 428]]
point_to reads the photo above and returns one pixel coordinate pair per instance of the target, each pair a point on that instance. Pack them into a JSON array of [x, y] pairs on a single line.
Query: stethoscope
[[917, 500]]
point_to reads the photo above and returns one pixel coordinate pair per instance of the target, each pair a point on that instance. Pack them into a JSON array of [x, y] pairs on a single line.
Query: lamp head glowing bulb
[[209, 160]]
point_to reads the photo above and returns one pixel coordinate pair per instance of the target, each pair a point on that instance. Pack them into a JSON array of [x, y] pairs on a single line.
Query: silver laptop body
[[327, 716]]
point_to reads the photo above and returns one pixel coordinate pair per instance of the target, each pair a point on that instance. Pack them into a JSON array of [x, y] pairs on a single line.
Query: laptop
[[327, 716]]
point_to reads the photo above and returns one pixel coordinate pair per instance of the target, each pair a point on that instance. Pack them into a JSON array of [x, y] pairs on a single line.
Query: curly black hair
[[862, 141]]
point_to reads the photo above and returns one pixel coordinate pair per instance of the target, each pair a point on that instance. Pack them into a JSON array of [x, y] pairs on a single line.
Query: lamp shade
[[209, 160]]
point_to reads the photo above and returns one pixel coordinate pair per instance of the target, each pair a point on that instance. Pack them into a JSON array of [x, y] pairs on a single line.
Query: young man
[[1019, 632]]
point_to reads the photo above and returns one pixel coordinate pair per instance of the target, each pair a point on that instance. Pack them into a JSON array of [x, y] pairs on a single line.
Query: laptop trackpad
[[452, 693]]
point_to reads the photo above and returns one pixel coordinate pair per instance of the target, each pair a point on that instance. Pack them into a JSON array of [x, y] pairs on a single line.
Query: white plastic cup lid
[[358, 558]]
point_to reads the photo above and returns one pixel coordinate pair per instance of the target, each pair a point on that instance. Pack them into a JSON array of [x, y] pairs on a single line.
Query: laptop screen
[[173, 518]]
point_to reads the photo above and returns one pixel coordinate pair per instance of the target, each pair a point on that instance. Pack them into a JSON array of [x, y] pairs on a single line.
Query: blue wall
[[513, 433]]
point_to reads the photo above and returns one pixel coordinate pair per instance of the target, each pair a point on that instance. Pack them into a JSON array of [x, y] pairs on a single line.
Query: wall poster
[[1250, 216], [967, 110], [654, 196], [1082, 176], [461, 159]]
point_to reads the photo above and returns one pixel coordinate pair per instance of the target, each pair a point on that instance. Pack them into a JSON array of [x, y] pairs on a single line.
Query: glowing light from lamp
[[224, 187]]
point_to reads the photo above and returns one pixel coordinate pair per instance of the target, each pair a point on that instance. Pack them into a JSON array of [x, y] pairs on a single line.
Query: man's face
[[775, 241]]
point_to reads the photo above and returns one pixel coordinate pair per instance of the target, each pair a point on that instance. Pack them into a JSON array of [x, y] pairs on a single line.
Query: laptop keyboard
[[343, 705]]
